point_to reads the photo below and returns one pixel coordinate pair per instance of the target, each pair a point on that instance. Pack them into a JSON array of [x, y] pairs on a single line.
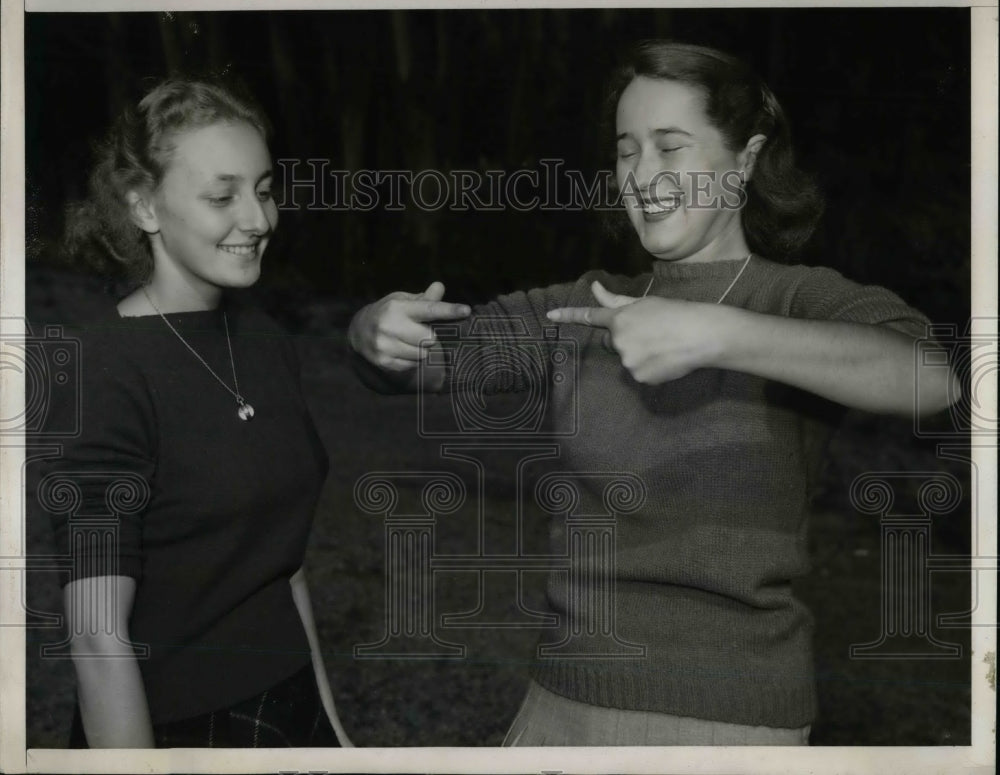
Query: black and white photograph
[[498, 388]]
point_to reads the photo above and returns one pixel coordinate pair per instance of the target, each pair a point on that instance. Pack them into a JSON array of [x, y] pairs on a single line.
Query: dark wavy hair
[[135, 154], [783, 204]]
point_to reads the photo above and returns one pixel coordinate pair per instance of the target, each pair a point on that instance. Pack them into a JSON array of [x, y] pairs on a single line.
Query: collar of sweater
[[703, 281]]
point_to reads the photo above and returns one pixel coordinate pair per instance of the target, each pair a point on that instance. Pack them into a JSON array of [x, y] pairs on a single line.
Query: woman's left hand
[[657, 339]]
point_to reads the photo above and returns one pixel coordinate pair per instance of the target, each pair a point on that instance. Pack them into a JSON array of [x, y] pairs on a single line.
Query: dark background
[[879, 104], [878, 100]]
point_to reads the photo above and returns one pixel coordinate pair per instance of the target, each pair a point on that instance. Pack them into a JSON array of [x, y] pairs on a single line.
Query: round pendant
[[245, 411]]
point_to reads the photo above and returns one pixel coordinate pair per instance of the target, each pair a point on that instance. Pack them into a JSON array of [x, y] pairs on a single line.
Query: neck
[[174, 288], [174, 297], [729, 245]]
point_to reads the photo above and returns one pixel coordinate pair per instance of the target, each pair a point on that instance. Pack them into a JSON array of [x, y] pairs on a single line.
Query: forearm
[[111, 693], [303, 602], [861, 366]]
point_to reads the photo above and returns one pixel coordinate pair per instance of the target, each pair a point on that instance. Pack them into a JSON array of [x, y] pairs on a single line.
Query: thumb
[[608, 299], [434, 292]]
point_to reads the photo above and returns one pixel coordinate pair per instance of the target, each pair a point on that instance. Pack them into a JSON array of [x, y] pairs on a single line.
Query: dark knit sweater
[[231, 502], [703, 570]]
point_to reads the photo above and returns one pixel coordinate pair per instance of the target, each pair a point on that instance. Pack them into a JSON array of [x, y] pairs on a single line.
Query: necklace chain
[[725, 293], [245, 411]]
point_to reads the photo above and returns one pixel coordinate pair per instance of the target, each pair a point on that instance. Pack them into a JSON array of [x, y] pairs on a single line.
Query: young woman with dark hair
[[712, 378], [191, 398]]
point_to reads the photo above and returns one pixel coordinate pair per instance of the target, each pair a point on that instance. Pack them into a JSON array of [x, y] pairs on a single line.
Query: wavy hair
[[783, 204], [135, 154]]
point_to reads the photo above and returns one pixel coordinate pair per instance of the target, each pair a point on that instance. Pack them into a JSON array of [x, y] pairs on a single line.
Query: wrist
[[731, 337], [353, 335]]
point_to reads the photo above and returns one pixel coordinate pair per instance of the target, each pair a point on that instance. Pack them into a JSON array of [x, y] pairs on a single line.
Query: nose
[[645, 173], [254, 216], [647, 167]]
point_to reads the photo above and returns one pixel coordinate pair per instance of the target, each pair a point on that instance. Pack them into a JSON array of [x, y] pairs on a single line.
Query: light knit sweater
[[703, 570]]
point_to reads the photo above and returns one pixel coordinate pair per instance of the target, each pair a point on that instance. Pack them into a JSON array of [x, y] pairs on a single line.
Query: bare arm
[[111, 693], [874, 368], [300, 593], [861, 366]]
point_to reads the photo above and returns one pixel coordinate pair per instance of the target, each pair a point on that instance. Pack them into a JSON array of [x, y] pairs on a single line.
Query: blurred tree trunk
[[115, 65], [286, 81], [348, 82]]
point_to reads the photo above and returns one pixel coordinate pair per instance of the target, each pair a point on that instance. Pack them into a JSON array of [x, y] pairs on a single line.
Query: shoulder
[[96, 378], [105, 341], [822, 293]]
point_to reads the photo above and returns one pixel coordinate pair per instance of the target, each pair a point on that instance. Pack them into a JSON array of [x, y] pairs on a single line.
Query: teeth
[[239, 250], [662, 205]]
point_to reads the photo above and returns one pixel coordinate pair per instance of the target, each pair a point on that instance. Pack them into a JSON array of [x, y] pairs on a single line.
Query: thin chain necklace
[[244, 411], [725, 293]]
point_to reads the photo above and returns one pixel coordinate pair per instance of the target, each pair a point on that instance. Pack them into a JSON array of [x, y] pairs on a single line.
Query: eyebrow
[[670, 130], [230, 178]]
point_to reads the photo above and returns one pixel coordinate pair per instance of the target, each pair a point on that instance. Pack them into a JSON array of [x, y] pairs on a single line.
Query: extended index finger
[[586, 316], [426, 311]]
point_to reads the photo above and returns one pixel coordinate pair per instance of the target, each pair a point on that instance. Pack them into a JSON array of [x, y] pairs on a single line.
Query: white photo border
[[15, 757]]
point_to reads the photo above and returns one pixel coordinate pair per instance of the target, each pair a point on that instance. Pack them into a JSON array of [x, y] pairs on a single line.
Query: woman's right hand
[[392, 333]]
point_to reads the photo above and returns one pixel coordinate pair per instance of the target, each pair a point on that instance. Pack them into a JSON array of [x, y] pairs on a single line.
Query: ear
[[748, 156], [142, 212]]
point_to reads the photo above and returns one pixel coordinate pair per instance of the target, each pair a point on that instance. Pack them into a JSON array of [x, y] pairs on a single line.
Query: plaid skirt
[[546, 718], [289, 714]]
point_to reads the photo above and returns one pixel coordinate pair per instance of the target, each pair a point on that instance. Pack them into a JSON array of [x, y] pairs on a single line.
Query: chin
[[662, 251], [244, 280]]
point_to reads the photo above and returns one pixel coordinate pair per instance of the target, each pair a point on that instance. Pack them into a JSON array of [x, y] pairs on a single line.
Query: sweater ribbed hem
[[753, 703]]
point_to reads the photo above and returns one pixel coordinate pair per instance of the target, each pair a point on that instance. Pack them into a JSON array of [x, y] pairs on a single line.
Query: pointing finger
[[608, 299], [586, 316], [425, 311]]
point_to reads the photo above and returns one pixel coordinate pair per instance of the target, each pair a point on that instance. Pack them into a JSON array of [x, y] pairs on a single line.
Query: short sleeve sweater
[[230, 502], [702, 571]]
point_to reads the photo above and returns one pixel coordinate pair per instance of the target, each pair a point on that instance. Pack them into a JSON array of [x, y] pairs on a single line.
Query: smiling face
[[210, 219], [680, 182]]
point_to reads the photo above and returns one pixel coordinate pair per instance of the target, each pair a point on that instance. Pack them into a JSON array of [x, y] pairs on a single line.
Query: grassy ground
[[471, 701]]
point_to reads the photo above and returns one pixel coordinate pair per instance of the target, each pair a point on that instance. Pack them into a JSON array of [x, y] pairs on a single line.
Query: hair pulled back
[[135, 155]]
